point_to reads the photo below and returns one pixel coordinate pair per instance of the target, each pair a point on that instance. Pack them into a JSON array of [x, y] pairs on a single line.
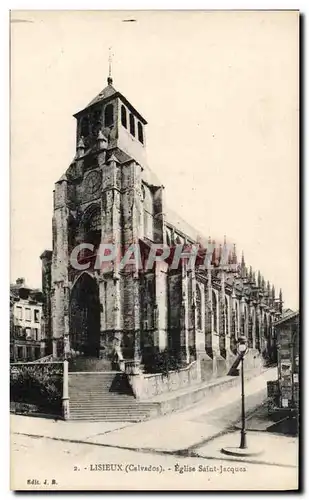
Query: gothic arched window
[[123, 117], [132, 125], [198, 308], [92, 227], [109, 115], [140, 132], [215, 310]]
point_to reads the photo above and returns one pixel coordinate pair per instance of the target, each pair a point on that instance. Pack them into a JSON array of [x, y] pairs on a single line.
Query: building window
[[28, 314], [19, 353], [109, 115], [19, 312], [132, 125], [36, 315], [29, 353], [123, 116], [19, 331], [35, 332], [37, 351], [28, 333], [140, 132], [215, 310]]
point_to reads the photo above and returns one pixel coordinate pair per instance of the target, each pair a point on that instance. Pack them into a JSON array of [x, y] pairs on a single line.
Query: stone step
[[105, 395], [115, 408], [110, 409], [107, 419], [121, 416], [103, 401]]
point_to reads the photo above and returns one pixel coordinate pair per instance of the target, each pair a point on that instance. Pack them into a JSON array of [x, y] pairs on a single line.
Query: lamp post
[[242, 349], [242, 450]]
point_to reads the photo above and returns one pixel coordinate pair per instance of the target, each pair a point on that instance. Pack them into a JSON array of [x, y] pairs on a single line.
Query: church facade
[[109, 195]]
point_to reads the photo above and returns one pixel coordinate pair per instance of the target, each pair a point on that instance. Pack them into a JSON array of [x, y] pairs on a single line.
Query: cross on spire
[[110, 60]]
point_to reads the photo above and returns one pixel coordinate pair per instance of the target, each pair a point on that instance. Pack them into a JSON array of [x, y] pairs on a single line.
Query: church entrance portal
[[85, 317]]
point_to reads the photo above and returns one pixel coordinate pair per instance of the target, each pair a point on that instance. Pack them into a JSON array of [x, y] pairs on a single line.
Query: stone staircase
[[106, 396]]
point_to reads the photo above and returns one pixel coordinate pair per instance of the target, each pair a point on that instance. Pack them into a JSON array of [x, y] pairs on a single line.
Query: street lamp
[[242, 450], [242, 349]]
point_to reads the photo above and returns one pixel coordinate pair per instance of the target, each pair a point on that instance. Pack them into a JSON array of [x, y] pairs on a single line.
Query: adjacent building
[[284, 392], [27, 339], [109, 194]]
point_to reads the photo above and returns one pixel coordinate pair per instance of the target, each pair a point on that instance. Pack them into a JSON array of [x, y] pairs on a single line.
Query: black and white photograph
[[154, 281]]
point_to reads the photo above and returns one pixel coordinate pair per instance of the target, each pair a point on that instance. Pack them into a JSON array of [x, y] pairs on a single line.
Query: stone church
[[109, 194]]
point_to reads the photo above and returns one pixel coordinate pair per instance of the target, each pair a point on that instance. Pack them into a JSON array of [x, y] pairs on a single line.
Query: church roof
[[179, 223], [104, 94], [109, 92]]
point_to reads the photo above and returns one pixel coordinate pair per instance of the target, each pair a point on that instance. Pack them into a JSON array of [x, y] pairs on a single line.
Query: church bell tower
[[101, 199]]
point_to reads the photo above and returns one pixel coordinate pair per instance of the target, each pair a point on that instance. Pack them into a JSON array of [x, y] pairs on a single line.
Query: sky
[[220, 93]]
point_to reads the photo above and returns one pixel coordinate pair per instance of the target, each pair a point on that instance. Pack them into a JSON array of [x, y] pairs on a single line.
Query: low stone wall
[[147, 386]]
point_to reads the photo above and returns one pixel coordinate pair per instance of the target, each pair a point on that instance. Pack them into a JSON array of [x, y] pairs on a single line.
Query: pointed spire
[[220, 254], [242, 259], [273, 293], [225, 253], [253, 278], [234, 254], [259, 279], [230, 257], [243, 269], [80, 147], [280, 300], [215, 257], [268, 288], [112, 158], [102, 140], [109, 79]]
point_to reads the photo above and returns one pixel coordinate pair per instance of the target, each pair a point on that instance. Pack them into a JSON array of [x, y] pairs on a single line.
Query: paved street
[[70, 453]]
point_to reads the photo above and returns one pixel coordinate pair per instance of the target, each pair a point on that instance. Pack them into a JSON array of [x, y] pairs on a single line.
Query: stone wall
[[146, 386]]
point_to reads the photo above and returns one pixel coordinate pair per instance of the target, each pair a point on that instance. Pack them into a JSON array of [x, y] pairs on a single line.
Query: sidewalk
[[177, 432], [276, 449]]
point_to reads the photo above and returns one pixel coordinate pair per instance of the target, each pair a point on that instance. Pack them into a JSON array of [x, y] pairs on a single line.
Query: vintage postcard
[[154, 309]]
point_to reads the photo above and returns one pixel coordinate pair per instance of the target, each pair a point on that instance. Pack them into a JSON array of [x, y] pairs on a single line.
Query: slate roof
[[104, 94], [110, 92], [179, 223], [287, 317]]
